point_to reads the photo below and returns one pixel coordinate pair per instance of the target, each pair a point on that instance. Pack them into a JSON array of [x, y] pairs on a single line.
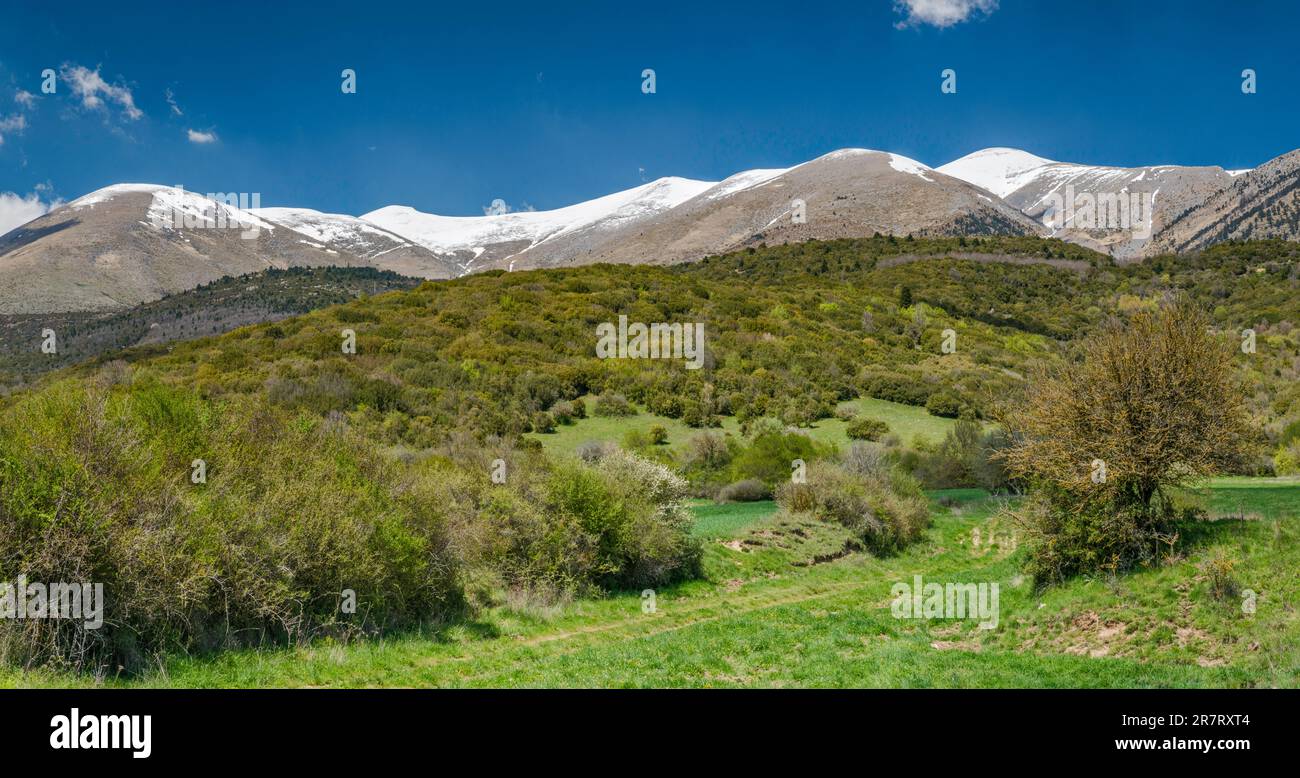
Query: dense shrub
[[770, 454], [966, 457], [613, 405], [565, 412], [885, 509], [946, 403], [633, 514], [749, 490], [543, 422], [706, 462], [296, 515], [95, 486], [1069, 537], [895, 387], [863, 428]]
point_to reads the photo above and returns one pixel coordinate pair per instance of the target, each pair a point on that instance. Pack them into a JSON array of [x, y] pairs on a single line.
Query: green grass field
[[727, 519], [772, 612], [909, 422]]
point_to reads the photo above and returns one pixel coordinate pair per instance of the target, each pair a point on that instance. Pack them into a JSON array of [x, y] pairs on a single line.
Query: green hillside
[[426, 452]]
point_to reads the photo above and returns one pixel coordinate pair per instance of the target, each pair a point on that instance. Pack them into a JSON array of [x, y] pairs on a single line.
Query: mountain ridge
[[125, 244]]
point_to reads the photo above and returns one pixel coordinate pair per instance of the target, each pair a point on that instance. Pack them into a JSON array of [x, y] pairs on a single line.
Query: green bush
[[885, 511], [945, 403], [967, 456], [863, 428], [614, 405], [1069, 537], [632, 514], [749, 490], [769, 456], [95, 486], [608, 520]]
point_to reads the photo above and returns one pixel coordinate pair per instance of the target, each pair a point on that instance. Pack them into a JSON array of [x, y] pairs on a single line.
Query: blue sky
[[541, 105]]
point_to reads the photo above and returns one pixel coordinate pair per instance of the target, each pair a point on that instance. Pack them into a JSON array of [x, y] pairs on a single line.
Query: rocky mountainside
[[106, 251], [379, 247], [1111, 209], [847, 193], [1262, 203], [131, 243]]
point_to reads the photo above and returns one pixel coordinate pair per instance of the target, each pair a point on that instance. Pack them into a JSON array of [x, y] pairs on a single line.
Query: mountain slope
[[378, 246], [1041, 187], [847, 193], [495, 239], [128, 244], [1259, 204]]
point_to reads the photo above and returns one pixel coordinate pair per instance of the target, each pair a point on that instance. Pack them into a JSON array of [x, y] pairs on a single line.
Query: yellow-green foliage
[[96, 486], [883, 508], [298, 515]]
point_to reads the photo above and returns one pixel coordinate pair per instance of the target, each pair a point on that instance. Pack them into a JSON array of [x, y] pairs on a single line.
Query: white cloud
[[25, 98], [16, 210], [91, 88], [941, 13], [197, 136], [171, 100], [16, 123]]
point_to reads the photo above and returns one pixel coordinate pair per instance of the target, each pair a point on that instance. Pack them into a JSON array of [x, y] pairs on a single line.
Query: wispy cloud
[[12, 124], [171, 100], [16, 210], [95, 93], [941, 13], [25, 99], [199, 136]]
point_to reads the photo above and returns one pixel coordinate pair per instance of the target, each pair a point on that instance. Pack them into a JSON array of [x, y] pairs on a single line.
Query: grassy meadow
[[908, 422], [767, 613]]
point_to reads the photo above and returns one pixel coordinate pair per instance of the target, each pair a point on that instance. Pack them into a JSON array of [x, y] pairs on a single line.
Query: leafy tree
[[1152, 404]]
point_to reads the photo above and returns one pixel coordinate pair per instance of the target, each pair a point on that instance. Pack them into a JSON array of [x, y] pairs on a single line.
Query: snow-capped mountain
[[131, 243], [368, 241], [851, 192], [487, 240], [847, 193], [1112, 209]]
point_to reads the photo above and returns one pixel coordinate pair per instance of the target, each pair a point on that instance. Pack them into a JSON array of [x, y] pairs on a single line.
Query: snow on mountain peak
[[174, 207], [329, 228], [999, 170], [109, 192], [452, 233], [906, 165]]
